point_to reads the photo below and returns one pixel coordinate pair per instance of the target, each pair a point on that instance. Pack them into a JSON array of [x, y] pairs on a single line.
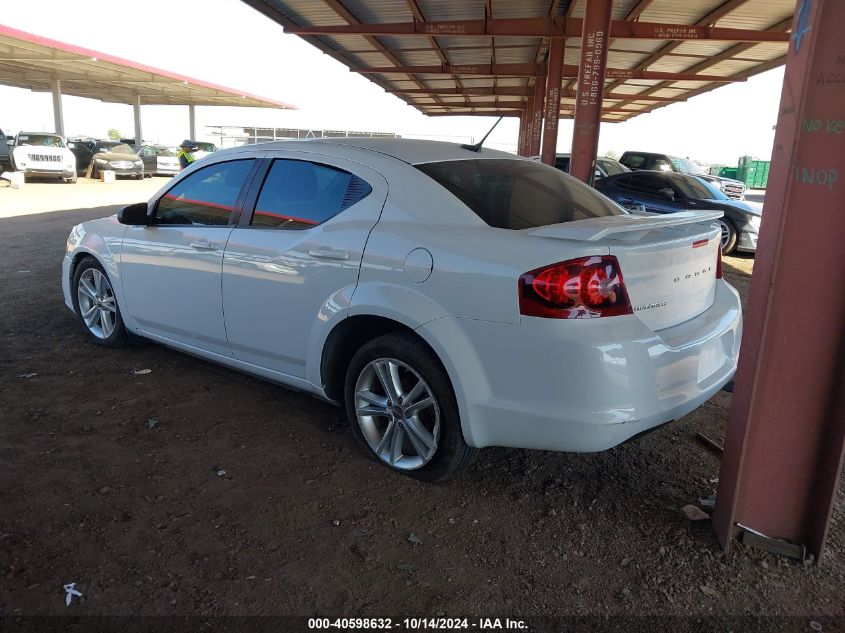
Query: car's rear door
[[171, 269], [292, 262]]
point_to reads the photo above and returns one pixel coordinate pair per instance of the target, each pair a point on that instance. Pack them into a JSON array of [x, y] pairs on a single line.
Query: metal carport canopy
[[457, 57], [44, 65]]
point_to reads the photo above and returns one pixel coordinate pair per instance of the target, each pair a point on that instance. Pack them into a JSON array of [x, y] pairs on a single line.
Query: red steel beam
[[518, 105], [786, 428], [552, 109], [569, 71], [594, 45], [525, 92], [544, 27], [515, 70]]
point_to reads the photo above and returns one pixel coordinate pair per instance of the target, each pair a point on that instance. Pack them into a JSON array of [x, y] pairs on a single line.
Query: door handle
[[205, 246], [327, 253]]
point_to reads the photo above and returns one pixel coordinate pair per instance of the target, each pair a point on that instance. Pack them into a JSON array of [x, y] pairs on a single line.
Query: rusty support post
[[786, 428], [522, 143], [536, 124], [588, 101], [557, 47]]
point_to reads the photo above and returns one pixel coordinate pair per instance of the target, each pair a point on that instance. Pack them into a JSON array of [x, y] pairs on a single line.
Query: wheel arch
[[347, 337]]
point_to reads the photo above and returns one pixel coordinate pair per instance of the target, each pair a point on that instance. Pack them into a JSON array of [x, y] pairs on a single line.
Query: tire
[[96, 290], [431, 444], [71, 180], [729, 235]]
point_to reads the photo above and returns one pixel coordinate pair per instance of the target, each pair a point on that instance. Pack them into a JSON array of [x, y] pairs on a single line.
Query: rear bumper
[[588, 385]]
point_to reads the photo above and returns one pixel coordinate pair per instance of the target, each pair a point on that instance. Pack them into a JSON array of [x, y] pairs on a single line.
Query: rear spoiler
[[594, 229]]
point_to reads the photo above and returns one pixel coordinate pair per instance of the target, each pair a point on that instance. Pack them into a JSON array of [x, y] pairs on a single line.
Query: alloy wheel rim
[[726, 233], [97, 305], [397, 413]]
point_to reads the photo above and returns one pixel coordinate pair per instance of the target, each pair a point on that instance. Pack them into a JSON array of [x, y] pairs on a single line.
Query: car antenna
[[477, 146]]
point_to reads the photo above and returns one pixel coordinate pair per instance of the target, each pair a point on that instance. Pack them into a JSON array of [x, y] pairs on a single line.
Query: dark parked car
[[734, 189], [605, 166], [668, 192], [85, 148], [121, 159], [5, 161], [158, 160]]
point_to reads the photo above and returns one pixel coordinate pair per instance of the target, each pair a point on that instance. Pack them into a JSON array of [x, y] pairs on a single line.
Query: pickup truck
[[734, 189]]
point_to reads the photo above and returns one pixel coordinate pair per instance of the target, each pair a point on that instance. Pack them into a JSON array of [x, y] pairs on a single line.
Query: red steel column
[[536, 125], [522, 142], [554, 71], [786, 429], [588, 100]]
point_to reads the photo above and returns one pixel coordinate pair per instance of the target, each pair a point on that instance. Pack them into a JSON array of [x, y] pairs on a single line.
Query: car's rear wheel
[[402, 409], [729, 235], [96, 305]]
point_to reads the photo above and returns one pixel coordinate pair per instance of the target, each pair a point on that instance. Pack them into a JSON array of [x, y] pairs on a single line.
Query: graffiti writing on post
[[824, 177]]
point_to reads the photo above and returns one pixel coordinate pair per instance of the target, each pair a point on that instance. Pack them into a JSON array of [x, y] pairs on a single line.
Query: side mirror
[[134, 215], [10, 141], [667, 192]]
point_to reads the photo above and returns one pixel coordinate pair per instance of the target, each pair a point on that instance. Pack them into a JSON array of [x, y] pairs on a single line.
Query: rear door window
[[299, 194], [519, 194]]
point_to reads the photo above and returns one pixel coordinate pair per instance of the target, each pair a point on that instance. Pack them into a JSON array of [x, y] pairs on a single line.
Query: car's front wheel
[[403, 411], [96, 305], [729, 235]]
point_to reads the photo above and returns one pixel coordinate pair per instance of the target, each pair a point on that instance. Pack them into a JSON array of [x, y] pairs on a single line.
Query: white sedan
[[450, 299]]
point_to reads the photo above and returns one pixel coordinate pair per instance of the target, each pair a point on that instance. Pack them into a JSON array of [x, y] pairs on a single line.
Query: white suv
[[42, 154]]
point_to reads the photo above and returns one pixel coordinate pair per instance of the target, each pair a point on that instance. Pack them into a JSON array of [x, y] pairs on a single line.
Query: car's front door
[[293, 259], [171, 269]]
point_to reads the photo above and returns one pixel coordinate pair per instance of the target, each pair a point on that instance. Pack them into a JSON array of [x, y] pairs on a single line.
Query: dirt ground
[[246, 498]]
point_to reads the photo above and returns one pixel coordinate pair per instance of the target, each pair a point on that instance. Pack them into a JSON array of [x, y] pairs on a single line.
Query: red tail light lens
[[719, 262], [584, 288]]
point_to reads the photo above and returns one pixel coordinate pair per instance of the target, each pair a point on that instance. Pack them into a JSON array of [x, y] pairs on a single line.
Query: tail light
[[584, 288], [719, 262]]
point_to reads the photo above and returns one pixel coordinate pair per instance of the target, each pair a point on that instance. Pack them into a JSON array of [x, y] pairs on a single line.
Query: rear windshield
[[519, 194]]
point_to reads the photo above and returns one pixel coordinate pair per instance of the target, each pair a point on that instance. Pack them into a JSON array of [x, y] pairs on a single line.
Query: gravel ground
[[195, 490]]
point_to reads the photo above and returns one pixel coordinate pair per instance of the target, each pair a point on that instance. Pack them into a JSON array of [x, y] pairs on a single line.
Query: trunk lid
[[668, 262]]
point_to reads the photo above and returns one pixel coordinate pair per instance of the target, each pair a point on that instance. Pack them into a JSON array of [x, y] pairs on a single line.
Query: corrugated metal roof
[[31, 61], [426, 91]]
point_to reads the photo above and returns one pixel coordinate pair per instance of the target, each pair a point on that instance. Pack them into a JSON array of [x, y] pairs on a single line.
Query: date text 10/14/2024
[[417, 624]]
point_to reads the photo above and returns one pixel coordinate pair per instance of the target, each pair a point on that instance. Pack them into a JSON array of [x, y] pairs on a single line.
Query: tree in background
[[114, 134], [612, 154]]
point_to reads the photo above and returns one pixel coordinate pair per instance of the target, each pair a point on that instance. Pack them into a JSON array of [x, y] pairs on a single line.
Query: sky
[[226, 42]]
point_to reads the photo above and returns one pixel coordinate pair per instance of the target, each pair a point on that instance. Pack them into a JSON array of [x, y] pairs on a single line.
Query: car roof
[[412, 151]]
